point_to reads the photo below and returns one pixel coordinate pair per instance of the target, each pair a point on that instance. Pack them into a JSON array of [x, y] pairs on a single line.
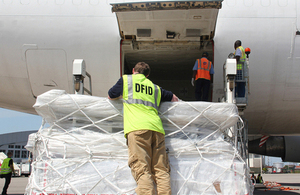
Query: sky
[[13, 121]]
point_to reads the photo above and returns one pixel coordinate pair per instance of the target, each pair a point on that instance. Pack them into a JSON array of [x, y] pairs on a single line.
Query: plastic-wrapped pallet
[[81, 149]]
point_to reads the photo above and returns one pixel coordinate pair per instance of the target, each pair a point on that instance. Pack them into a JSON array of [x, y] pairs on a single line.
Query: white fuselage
[[40, 39]]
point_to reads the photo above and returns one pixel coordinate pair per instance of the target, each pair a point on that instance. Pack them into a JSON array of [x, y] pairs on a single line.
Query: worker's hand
[[120, 97], [192, 81], [231, 56], [174, 98]]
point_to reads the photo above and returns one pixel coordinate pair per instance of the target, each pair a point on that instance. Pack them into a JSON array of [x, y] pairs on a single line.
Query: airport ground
[[18, 185], [285, 180]]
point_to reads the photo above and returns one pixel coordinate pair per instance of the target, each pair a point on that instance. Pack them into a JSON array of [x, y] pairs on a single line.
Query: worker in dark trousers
[[7, 169], [203, 71], [240, 57]]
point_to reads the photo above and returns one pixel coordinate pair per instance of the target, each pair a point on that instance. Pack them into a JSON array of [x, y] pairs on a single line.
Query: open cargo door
[[169, 36], [165, 21]]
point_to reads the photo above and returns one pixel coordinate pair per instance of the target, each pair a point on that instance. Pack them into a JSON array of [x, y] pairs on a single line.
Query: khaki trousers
[[149, 163]]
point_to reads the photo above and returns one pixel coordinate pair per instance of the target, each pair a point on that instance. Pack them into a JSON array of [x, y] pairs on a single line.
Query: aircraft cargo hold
[[81, 148]]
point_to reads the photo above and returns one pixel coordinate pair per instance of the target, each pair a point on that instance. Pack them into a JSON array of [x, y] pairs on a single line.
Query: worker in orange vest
[[203, 71]]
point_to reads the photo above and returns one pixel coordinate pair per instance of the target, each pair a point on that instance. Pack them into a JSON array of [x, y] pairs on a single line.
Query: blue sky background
[[13, 121]]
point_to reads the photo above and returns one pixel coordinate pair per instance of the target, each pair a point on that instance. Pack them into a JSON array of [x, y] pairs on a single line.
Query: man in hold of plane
[[143, 129], [203, 71], [240, 57]]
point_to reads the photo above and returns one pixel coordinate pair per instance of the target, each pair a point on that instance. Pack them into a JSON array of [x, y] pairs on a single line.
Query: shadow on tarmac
[[272, 191], [260, 189], [291, 184]]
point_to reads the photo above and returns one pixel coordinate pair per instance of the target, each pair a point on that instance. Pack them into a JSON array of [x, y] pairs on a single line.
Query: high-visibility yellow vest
[[141, 101], [242, 60], [204, 66], [5, 168], [259, 179]]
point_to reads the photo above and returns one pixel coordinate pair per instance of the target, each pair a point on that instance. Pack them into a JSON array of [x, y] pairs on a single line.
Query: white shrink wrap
[[81, 149]]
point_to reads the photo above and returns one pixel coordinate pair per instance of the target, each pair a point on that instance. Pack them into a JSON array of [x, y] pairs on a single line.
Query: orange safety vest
[[204, 66]]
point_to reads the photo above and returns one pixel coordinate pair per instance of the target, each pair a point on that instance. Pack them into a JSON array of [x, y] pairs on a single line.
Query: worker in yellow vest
[[240, 57], [7, 169], [203, 71], [143, 129], [259, 179]]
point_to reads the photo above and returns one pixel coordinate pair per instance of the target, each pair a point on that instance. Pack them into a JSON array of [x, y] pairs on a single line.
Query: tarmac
[[278, 181], [18, 185]]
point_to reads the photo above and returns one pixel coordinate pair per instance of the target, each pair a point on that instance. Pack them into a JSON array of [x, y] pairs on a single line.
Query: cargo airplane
[[41, 38]]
